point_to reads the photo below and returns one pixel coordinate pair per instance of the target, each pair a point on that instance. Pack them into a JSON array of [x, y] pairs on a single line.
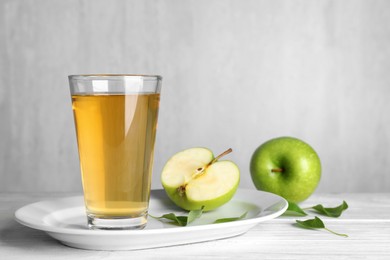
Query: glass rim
[[113, 76]]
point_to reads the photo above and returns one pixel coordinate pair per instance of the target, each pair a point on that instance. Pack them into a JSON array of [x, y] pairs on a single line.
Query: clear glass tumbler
[[116, 121]]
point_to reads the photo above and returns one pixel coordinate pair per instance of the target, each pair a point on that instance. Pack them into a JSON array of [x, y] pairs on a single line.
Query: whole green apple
[[193, 179], [286, 166]]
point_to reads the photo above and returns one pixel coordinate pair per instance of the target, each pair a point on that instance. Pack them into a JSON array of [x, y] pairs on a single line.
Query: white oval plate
[[65, 220]]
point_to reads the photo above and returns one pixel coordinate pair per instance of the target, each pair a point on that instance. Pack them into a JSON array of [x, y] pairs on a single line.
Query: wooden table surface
[[367, 222]]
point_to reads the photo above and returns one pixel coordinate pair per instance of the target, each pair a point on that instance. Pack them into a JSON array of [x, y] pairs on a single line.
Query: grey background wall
[[236, 73]]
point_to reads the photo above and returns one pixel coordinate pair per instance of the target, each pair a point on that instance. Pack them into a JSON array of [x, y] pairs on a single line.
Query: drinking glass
[[116, 119]]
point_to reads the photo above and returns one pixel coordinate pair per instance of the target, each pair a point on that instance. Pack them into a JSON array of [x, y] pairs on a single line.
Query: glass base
[[116, 223]]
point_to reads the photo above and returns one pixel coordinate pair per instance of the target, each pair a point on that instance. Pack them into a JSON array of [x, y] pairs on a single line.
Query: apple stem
[[220, 156], [277, 170], [201, 170]]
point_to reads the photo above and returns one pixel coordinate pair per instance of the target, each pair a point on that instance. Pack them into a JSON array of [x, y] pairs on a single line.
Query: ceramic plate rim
[[19, 216]]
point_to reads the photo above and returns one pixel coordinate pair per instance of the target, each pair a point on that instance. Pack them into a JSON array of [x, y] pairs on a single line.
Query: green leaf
[[223, 220], [311, 223], [331, 212], [194, 214], [178, 220], [294, 210], [316, 223], [182, 220]]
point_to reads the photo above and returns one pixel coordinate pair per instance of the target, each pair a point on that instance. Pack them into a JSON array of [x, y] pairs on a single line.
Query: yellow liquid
[[115, 135]]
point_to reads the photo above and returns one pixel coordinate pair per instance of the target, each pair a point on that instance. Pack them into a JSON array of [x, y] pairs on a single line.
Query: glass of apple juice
[[116, 120]]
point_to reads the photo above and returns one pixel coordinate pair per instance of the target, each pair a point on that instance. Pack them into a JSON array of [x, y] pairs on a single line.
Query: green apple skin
[[198, 157], [286, 166]]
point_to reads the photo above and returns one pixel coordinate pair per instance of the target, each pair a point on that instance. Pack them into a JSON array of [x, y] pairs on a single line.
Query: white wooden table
[[367, 222]]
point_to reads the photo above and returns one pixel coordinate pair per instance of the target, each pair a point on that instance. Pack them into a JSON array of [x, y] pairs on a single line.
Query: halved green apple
[[193, 178]]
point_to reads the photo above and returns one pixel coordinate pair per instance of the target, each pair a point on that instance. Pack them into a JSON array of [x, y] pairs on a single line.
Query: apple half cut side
[[193, 178]]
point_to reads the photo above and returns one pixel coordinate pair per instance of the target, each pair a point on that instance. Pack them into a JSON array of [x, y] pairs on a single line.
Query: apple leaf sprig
[[191, 216], [224, 220], [294, 210], [316, 223], [181, 220], [330, 212]]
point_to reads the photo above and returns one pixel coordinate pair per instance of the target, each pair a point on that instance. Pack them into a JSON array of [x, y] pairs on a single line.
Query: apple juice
[[115, 136]]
